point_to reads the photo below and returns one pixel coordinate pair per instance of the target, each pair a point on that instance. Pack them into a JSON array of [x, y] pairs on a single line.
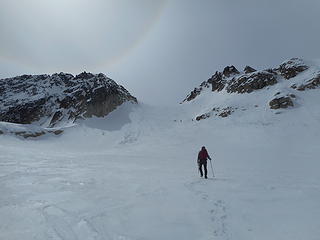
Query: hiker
[[202, 160]]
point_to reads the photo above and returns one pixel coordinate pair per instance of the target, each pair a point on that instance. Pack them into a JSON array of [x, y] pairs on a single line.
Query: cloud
[[72, 34], [160, 50], [194, 39]]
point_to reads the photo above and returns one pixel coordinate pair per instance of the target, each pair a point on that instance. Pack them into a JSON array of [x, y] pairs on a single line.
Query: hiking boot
[[205, 177]]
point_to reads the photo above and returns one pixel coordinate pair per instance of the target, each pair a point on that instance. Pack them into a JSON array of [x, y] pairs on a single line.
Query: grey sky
[[159, 50]]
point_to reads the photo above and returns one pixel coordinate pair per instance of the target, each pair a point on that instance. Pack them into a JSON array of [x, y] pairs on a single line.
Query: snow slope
[[139, 180], [133, 174]]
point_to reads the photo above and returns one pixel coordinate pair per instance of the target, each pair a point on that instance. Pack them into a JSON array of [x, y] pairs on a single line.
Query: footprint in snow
[[219, 219]]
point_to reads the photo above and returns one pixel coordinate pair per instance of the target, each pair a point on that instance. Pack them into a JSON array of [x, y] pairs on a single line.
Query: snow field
[[137, 178]]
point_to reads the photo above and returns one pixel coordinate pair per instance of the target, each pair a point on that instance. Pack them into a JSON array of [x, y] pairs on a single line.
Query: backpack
[[203, 155]]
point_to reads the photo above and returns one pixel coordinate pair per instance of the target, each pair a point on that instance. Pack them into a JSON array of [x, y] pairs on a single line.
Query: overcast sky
[[158, 49]]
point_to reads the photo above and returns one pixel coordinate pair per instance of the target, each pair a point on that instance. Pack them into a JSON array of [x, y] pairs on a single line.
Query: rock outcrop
[[27, 131], [233, 81], [250, 82], [50, 100], [193, 94], [217, 111], [292, 68], [310, 84], [287, 79], [217, 81], [249, 69], [282, 101], [230, 71]]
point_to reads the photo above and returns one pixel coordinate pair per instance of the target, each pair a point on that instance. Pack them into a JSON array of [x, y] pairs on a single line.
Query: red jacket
[[203, 155]]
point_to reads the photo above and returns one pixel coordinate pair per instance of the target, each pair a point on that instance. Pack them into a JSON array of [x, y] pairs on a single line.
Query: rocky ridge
[[52, 100], [292, 76]]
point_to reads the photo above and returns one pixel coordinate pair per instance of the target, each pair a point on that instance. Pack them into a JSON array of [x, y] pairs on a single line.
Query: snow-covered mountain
[[53, 100], [250, 90], [133, 174], [60, 99]]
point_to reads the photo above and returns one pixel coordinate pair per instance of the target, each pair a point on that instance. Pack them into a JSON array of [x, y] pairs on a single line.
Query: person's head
[[203, 148]]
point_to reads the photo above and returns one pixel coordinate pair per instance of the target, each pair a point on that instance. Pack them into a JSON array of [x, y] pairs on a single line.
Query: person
[[202, 161]]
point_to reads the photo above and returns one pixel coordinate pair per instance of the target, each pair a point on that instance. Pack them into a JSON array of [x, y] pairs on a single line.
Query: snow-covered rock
[[313, 83], [27, 130], [54, 100], [275, 88], [282, 101], [247, 83], [292, 68]]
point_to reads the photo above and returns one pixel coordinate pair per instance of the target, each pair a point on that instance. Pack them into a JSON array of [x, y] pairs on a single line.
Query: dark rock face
[[249, 83], [217, 111], [233, 81], [217, 82], [193, 94], [203, 116], [249, 69], [25, 113], [281, 102], [226, 112], [292, 68], [27, 99], [229, 71], [84, 75]]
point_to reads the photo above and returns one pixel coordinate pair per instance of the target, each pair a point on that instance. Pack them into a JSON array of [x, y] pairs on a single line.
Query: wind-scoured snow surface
[[133, 176]]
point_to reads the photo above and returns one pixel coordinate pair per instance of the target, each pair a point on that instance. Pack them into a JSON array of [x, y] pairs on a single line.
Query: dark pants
[[204, 164]]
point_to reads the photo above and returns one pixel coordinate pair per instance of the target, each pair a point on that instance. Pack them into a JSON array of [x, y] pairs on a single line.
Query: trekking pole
[[212, 169]]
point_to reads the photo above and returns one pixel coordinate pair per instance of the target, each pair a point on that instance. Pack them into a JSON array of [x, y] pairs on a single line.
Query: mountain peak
[[60, 97], [230, 70]]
